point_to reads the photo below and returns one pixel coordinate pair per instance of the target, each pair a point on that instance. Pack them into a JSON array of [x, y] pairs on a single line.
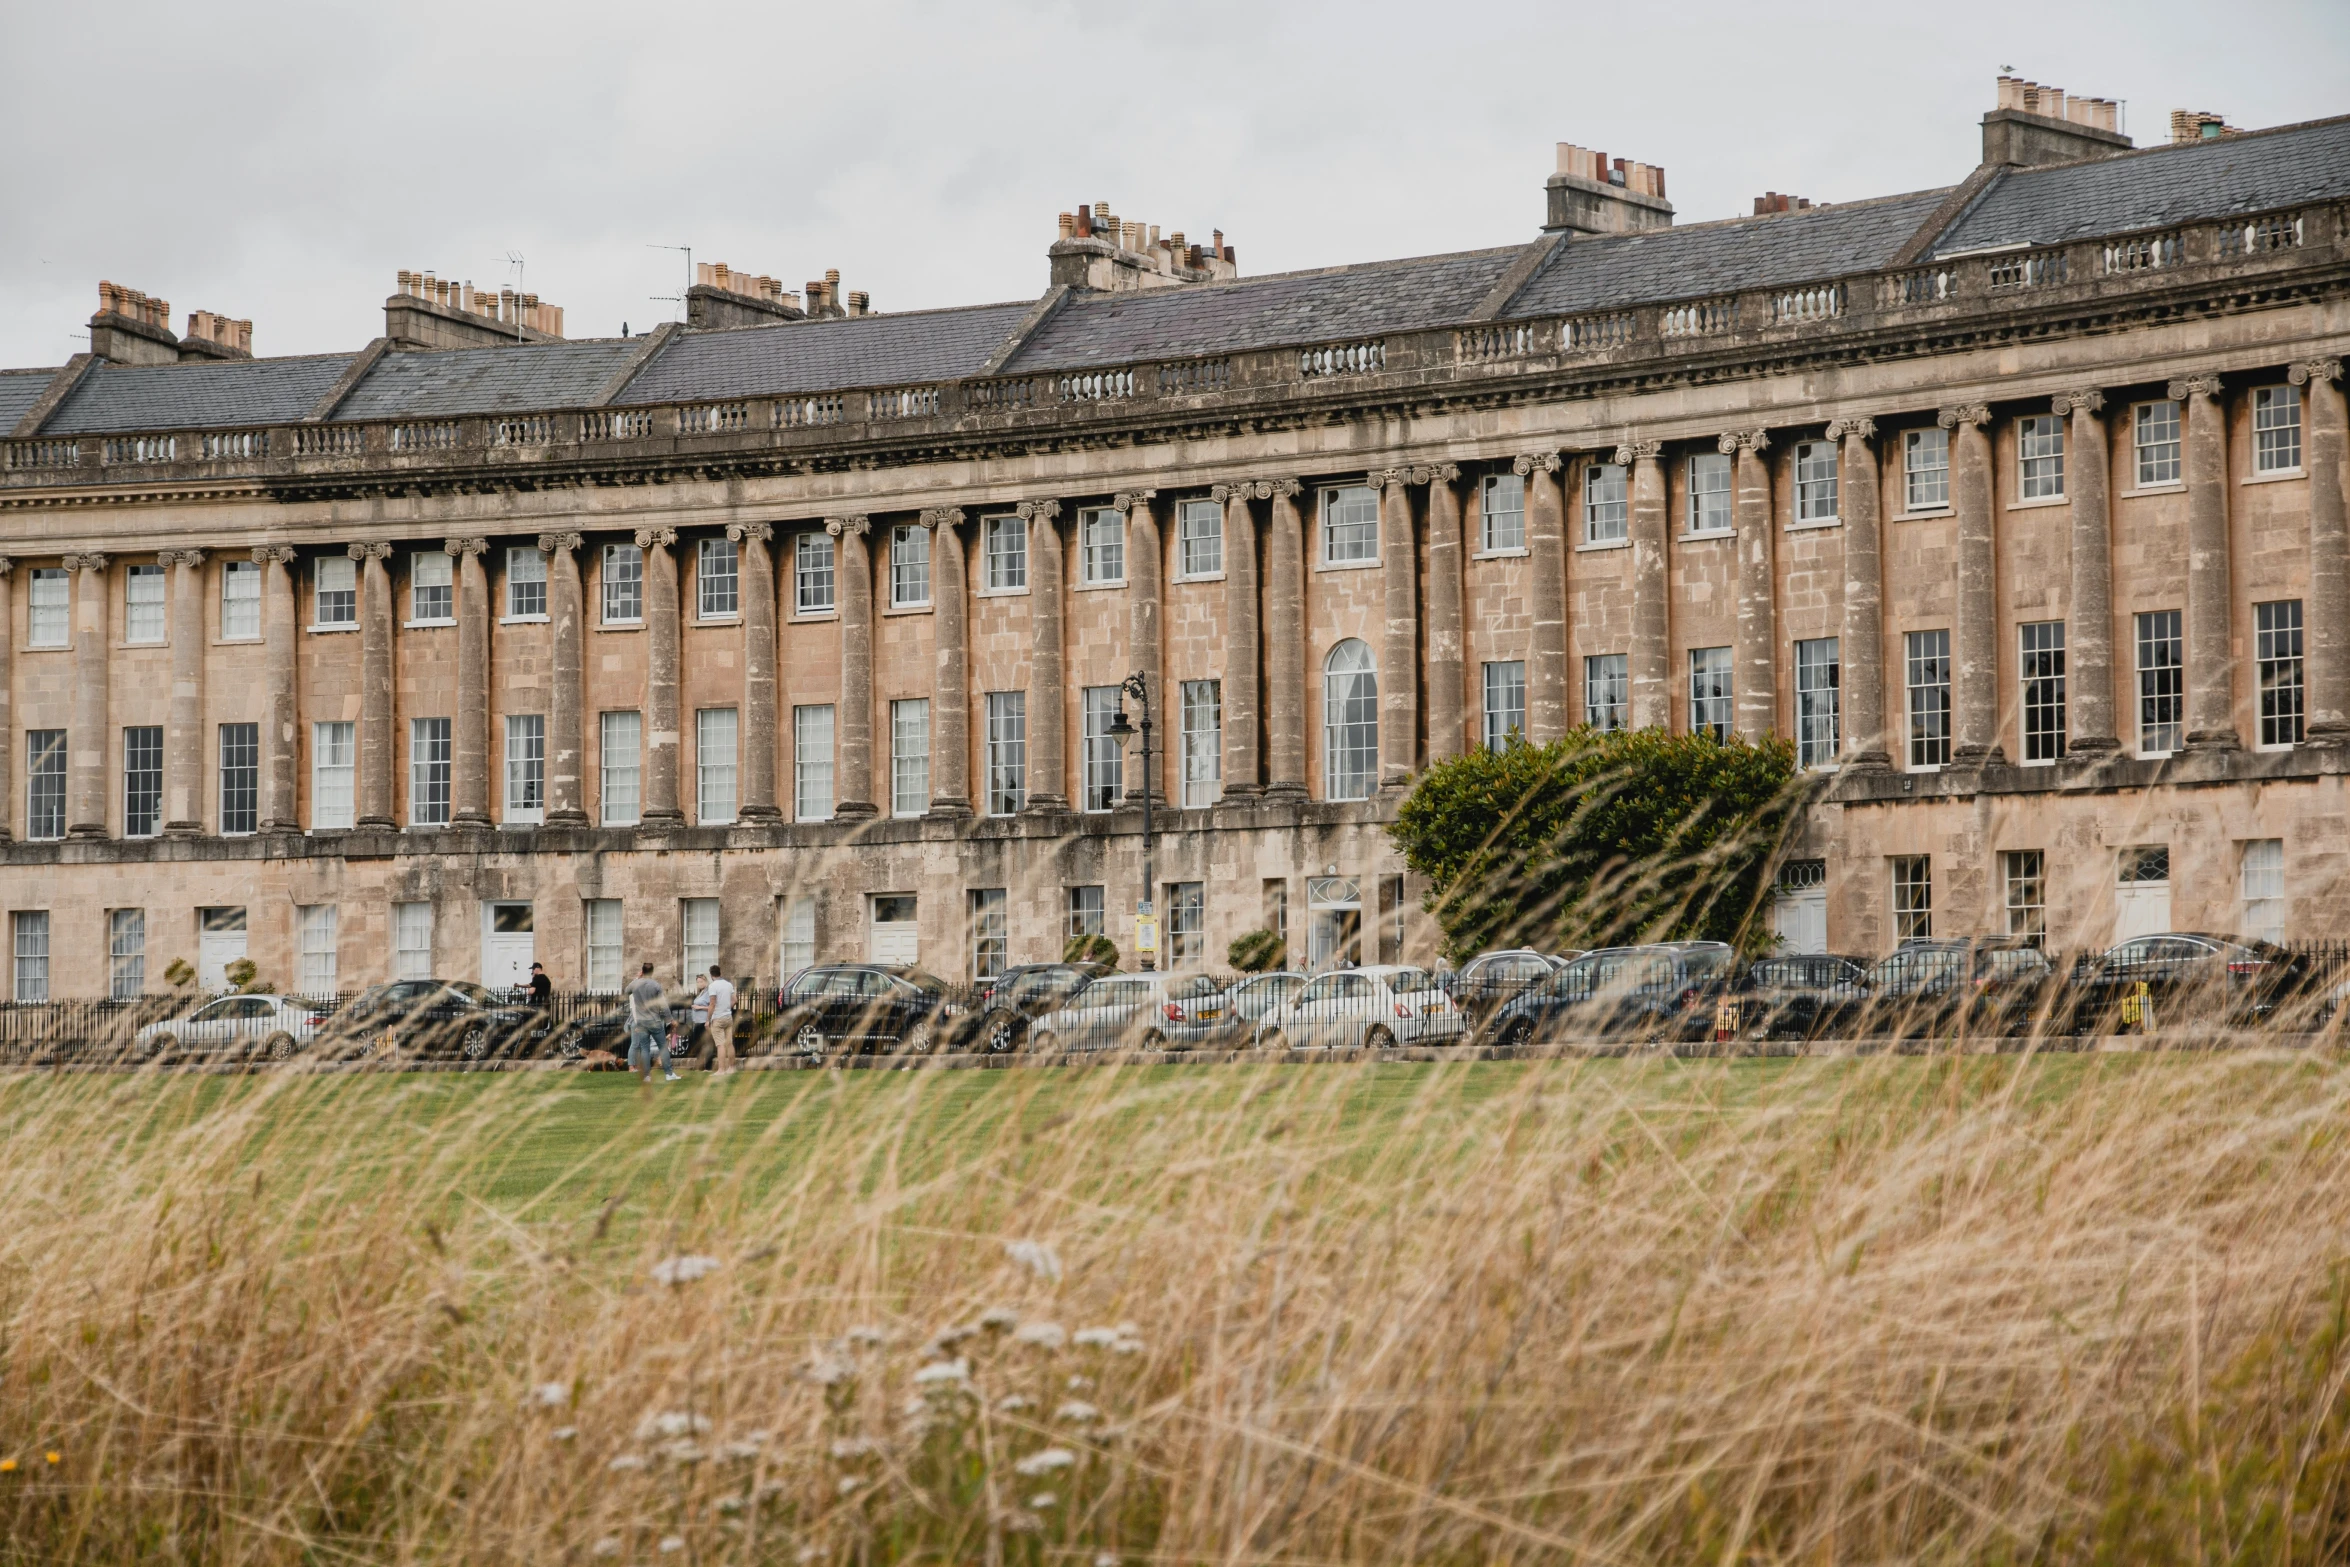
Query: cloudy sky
[[283, 162]]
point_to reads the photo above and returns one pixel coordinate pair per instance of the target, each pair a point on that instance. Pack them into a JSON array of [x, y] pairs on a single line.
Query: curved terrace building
[[798, 631]]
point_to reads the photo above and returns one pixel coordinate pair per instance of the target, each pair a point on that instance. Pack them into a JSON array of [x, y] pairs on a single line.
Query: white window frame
[[526, 769], [2279, 668], [1350, 721], [1349, 537], [142, 786], [1607, 691], [1202, 715], [717, 756], [2276, 429], [29, 942], [991, 931], [1003, 547], [1006, 752], [432, 590], [1101, 547], [412, 940], [2039, 457], [2157, 453], [239, 781], [2023, 876], [1505, 701], [1713, 507], [315, 927], [698, 936], [526, 568], [2160, 630], [620, 779], [1607, 503], [1912, 902], [2263, 887], [49, 608], [909, 756], [622, 586], [1501, 514], [126, 954], [431, 771], [240, 601], [1816, 495], [2040, 673], [1199, 537], [795, 936], [334, 586], [1926, 753], [909, 566], [813, 729], [1104, 770], [1713, 691], [815, 574], [1187, 924], [45, 783], [145, 610], [1818, 703], [334, 775], [606, 946], [1925, 471], [1089, 911], [718, 580]]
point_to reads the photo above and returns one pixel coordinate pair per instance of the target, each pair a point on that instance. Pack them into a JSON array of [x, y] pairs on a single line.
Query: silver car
[[1128, 1012], [1232, 1018], [271, 1026], [1372, 1008]]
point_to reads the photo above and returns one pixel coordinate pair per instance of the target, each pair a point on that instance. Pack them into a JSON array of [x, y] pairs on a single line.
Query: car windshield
[[1914, 969], [1192, 986], [1405, 981], [923, 979]]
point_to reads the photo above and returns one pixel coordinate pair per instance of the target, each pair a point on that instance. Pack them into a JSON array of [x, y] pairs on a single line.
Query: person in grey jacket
[[648, 1027]]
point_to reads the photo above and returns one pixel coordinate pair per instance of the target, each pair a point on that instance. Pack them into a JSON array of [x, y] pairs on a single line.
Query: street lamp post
[[1139, 689]]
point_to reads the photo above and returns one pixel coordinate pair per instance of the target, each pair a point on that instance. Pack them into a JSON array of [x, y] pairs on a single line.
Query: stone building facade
[[2019, 504]]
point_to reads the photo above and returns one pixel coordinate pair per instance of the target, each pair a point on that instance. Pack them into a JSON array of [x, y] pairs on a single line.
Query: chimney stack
[[2035, 124], [722, 297], [2191, 125], [1098, 250], [429, 312], [1593, 194], [132, 328], [1772, 201], [212, 336]]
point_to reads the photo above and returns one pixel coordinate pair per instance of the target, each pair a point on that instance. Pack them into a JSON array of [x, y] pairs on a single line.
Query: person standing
[[542, 989], [720, 997], [648, 1029], [697, 1023]]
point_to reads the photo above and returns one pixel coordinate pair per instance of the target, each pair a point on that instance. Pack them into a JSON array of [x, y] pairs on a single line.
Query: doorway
[[2141, 892], [1799, 910], [896, 934], [1334, 936], [220, 941], [509, 944]]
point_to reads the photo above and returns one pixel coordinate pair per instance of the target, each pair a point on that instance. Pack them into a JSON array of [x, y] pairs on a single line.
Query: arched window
[[1350, 722]]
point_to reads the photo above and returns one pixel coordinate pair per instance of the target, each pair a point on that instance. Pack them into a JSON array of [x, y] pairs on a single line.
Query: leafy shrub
[[1093, 948], [1257, 952]]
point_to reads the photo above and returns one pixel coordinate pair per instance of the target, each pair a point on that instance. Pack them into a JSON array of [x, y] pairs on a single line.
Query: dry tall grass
[[2072, 1309]]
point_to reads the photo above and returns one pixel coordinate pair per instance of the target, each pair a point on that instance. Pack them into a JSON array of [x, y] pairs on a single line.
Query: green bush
[[1256, 952], [1599, 839], [1095, 948]]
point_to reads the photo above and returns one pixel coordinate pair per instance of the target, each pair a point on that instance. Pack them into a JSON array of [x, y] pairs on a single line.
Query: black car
[[1983, 985], [447, 1017], [1809, 995], [2190, 977], [1018, 996], [858, 1007], [1666, 990], [608, 1031], [1491, 978]]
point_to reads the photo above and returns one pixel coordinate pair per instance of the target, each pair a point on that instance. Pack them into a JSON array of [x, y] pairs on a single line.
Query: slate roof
[[199, 394], [19, 390], [1716, 258], [457, 382], [2159, 187], [820, 356], [1326, 306]]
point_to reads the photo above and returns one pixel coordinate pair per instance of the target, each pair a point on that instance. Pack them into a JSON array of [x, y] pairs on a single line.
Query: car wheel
[[1517, 1034], [922, 1039], [1152, 1039], [163, 1049], [809, 1041], [570, 1046], [1379, 1038], [474, 1043], [279, 1046], [1001, 1035]]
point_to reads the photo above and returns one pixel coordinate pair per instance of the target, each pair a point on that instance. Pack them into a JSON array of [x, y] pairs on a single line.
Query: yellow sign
[[2138, 1008], [1146, 933], [1726, 1018]]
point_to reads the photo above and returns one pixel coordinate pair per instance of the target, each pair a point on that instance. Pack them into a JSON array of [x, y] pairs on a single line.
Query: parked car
[[862, 1007], [1234, 1019], [272, 1027], [1809, 995], [438, 1017], [1982, 985], [2191, 977], [1665, 990], [1491, 978], [1374, 1008], [608, 1031], [1153, 1011], [1015, 998]]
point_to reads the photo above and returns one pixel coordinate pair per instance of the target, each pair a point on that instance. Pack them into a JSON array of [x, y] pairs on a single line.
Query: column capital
[[90, 561], [2087, 400], [1039, 511], [2198, 385], [549, 543], [748, 532], [858, 524], [2305, 371], [378, 550], [1964, 413], [1240, 490], [1532, 462], [460, 547], [1639, 451], [1287, 489], [6, 565], [1860, 425], [1418, 473], [273, 554], [1444, 473], [187, 557], [1127, 500], [655, 538], [941, 517], [1743, 441]]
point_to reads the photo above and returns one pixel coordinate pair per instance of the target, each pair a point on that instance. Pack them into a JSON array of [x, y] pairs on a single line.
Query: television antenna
[[678, 298], [514, 260]]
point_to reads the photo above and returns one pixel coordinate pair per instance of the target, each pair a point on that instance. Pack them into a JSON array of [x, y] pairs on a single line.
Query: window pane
[[2027, 894], [2161, 682], [812, 573], [1817, 716], [142, 781], [1607, 691], [909, 565], [428, 771], [1815, 481], [30, 928], [1007, 752], [51, 624], [2277, 648], [1709, 493], [335, 584], [811, 740], [1187, 923], [2040, 456], [1203, 743], [315, 933], [714, 757], [2156, 428], [698, 924], [44, 783], [240, 778], [1104, 772], [909, 756], [624, 583], [334, 754], [991, 933], [719, 578], [1006, 548], [431, 586], [797, 940], [1925, 470], [2043, 671], [412, 941], [1102, 545], [1202, 538], [526, 767], [1502, 508], [622, 768], [526, 582], [1350, 706], [1505, 703], [126, 952], [1604, 504], [603, 944], [142, 602], [1913, 897], [240, 599], [1709, 691], [2276, 429], [1088, 911], [1928, 664], [1350, 524]]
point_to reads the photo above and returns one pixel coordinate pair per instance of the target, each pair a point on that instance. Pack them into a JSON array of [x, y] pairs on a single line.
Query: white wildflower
[[1024, 1523], [1127, 1346], [999, 1319], [1095, 1338], [1042, 1500], [941, 1372], [683, 1451], [1042, 1335], [948, 1337], [1079, 1384], [1045, 1462], [851, 1448], [672, 1542], [1105, 1559], [551, 1395], [730, 1504], [565, 1433], [683, 1270], [1037, 1257], [1077, 1413], [1129, 1329], [830, 1371], [1015, 1402], [673, 1423], [609, 1545], [868, 1333], [847, 1484], [739, 1452], [625, 1461]]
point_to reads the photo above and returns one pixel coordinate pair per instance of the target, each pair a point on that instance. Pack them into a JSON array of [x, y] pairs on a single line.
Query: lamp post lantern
[[1146, 933]]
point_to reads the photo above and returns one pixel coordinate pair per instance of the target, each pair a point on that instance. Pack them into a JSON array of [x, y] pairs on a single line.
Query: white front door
[[220, 941], [896, 932], [1801, 919], [2141, 894], [508, 944]]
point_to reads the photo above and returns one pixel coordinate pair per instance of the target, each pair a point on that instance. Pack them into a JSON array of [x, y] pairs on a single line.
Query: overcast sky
[[284, 162]]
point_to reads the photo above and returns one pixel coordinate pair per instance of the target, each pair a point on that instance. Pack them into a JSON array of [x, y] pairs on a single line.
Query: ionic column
[[853, 719], [2326, 621], [1974, 636], [280, 739], [1048, 716], [1144, 632], [1546, 550], [375, 685], [566, 695], [89, 741], [1284, 645], [2211, 706], [1757, 683], [183, 735], [662, 724], [7, 697], [1860, 646], [469, 771], [1447, 731], [950, 685], [1399, 659], [1242, 647], [1652, 687], [2088, 662], [759, 715]]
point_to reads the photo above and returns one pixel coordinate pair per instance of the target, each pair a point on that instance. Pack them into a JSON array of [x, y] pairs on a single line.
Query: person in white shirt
[[720, 997]]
